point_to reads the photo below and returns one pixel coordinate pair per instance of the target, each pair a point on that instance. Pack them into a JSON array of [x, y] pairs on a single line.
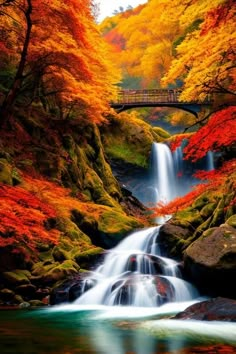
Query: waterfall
[[163, 173], [134, 273], [210, 161]]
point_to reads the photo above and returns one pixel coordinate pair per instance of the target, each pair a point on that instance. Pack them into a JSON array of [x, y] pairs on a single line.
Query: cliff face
[[59, 200]]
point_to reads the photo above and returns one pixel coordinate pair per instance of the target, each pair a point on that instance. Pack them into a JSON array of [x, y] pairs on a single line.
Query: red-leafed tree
[[25, 219], [219, 132]]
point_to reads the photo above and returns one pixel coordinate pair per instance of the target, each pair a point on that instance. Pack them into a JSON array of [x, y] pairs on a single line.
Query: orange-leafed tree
[[58, 57], [206, 58]]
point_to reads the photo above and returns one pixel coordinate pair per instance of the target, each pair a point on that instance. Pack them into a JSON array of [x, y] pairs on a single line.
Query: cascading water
[[163, 173], [134, 274]]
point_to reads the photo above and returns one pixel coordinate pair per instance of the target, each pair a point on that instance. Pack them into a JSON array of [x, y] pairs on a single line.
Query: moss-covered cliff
[[62, 166]]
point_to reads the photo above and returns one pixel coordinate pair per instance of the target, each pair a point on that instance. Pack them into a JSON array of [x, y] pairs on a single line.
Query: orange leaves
[[218, 132], [66, 63], [23, 217], [217, 16]]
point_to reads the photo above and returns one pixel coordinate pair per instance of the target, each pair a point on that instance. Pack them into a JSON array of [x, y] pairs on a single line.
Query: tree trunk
[[10, 98]]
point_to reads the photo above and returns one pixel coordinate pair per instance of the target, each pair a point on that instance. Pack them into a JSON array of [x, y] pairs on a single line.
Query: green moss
[[201, 201], [85, 259], [207, 210], [190, 216], [59, 254], [232, 221], [17, 277], [125, 152], [5, 172], [161, 132], [129, 139]]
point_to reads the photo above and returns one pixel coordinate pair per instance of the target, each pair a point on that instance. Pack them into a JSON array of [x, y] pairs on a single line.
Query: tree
[[206, 57], [62, 58], [9, 100]]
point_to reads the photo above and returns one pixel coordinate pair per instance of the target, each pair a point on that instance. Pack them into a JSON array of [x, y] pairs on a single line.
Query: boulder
[[210, 261], [172, 238], [6, 295], [17, 277], [217, 309]]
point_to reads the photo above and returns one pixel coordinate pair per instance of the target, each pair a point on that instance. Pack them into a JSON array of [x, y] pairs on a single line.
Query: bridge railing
[[150, 96], [130, 96]]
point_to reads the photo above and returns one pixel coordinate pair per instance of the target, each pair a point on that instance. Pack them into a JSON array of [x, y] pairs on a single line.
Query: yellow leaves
[[204, 58], [196, 9]]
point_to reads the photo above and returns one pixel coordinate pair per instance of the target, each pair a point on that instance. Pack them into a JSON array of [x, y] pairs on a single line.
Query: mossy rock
[[190, 216], [162, 133], [113, 227], [88, 258], [17, 277], [201, 201], [37, 303], [71, 230], [231, 221], [207, 210], [214, 247], [210, 261], [60, 272], [18, 299], [219, 214], [5, 172], [41, 268], [129, 139], [172, 239], [59, 254]]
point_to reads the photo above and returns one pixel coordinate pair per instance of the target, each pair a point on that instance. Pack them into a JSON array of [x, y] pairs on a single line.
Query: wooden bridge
[[128, 99]]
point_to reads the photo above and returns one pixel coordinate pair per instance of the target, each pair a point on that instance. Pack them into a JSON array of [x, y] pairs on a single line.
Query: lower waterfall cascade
[[135, 273]]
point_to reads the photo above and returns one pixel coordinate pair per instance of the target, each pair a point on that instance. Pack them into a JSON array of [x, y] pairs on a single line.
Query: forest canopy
[[52, 53]]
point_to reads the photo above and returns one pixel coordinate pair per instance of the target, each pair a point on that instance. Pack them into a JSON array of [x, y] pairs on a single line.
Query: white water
[[163, 173], [134, 273]]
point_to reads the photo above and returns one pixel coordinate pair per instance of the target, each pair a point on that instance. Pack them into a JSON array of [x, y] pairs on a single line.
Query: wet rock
[[90, 257], [17, 277], [27, 290], [24, 305], [210, 349], [210, 261], [69, 290], [171, 238], [6, 295], [36, 303], [60, 272], [125, 289], [217, 309], [17, 299]]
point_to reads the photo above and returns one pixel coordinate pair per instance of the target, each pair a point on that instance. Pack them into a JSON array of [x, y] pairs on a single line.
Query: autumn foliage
[[214, 182], [219, 132], [25, 219], [52, 54]]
